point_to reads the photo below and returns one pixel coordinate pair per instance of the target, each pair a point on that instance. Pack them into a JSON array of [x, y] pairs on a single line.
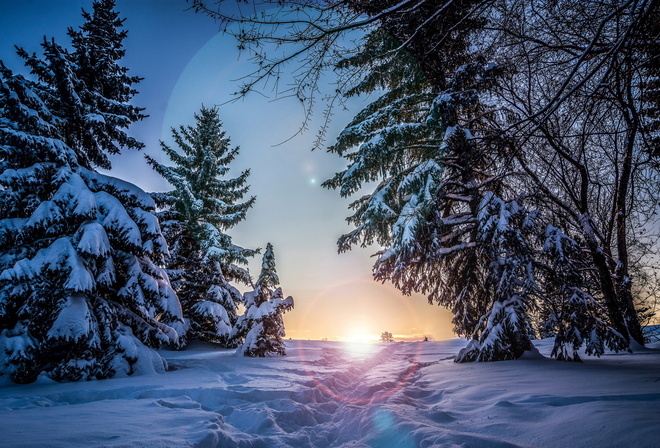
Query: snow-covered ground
[[329, 394]]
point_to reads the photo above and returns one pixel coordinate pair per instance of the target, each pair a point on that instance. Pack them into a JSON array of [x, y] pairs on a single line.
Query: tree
[[545, 104], [570, 313], [80, 295], [195, 215], [572, 100], [88, 88], [261, 327], [386, 336], [433, 173], [208, 300], [503, 332], [582, 117], [428, 210]]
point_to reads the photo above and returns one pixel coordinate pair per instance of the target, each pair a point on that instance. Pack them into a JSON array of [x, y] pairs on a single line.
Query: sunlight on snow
[[360, 344], [360, 349]]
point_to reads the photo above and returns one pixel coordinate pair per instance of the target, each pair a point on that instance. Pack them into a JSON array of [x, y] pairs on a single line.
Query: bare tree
[[573, 90], [386, 336]]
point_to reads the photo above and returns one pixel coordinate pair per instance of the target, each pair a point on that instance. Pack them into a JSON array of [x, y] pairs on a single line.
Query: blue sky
[[186, 63]]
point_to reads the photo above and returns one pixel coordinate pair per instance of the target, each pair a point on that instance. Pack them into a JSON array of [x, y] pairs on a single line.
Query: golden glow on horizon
[[362, 338], [360, 310]]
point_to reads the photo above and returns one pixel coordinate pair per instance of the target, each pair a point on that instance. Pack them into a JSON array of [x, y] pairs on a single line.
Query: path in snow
[[331, 394], [339, 397]]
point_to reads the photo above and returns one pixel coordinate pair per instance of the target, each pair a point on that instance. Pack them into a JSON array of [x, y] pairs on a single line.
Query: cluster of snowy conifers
[[465, 212], [94, 272]]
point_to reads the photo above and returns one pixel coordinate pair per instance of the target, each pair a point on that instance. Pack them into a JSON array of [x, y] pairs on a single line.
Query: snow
[[268, 308], [216, 312], [117, 219], [16, 341], [73, 322], [93, 240], [252, 338], [146, 362], [331, 394], [125, 191], [60, 255], [46, 214]]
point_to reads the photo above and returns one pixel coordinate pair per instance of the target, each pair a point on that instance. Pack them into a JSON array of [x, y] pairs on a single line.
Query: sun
[[360, 343], [360, 333], [361, 347]]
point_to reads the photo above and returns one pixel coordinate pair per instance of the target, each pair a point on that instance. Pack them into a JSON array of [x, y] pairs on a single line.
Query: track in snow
[[342, 397], [372, 395]]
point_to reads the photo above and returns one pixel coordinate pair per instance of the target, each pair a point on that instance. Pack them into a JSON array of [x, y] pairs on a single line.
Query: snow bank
[[331, 394]]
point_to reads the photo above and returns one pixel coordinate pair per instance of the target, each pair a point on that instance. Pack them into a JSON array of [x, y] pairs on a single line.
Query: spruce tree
[[439, 183], [506, 232], [88, 89], [570, 311], [261, 327], [435, 178], [98, 48], [195, 215], [80, 294]]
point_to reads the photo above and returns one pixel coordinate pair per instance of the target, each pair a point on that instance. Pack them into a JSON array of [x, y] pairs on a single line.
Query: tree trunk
[[607, 287], [623, 280]]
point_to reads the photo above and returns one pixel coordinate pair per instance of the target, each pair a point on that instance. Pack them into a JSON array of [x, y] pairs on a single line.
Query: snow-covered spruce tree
[[195, 216], [434, 181], [505, 233], [261, 327], [569, 312], [429, 213], [90, 88], [80, 295]]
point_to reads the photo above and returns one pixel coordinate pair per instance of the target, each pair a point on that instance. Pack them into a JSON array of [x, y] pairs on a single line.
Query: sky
[[187, 63]]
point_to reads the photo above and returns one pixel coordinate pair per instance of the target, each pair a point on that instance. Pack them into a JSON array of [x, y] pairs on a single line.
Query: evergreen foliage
[[503, 332], [439, 184], [395, 146], [208, 301], [261, 327], [80, 294], [195, 217], [434, 185], [570, 312], [87, 89]]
